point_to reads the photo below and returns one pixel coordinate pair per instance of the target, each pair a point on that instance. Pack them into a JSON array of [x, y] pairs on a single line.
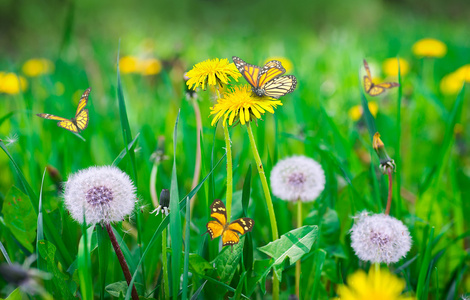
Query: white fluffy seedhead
[[103, 194], [380, 238], [297, 178]]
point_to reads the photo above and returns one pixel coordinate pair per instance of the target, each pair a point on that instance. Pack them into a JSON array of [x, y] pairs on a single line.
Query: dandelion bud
[[164, 206], [101, 194], [380, 238], [385, 161]]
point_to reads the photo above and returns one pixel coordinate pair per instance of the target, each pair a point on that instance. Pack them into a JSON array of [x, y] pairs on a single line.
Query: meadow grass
[[423, 129]]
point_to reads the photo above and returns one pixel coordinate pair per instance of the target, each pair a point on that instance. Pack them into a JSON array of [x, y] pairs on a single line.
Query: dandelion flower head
[[380, 284], [37, 66], [390, 66], [380, 238], [429, 48], [103, 194], [286, 63], [297, 178], [212, 72], [241, 104], [452, 83], [11, 83], [355, 112]]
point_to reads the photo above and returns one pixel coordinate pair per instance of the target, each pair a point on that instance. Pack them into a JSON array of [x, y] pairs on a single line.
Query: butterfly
[[372, 88], [265, 81], [220, 226], [77, 123]]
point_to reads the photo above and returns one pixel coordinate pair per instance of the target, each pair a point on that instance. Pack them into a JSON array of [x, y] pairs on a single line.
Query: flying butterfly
[[372, 88], [230, 231], [77, 123], [267, 81]]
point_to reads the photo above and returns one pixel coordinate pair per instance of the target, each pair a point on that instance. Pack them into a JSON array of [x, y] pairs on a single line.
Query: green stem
[[269, 202], [390, 189], [166, 284], [297, 265], [228, 150]]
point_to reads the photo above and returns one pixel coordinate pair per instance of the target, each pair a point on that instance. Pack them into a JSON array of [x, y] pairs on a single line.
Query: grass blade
[[40, 228], [423, 273], [186, 251], [124, 151]]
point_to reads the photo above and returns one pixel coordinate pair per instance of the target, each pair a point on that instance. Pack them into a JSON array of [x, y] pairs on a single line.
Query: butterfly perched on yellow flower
[[229, 231], [372, 88], [267, 80], [77, 123]]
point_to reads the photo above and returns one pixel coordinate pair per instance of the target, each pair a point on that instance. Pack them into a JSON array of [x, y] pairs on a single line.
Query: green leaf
[[47, 251], [261, 268], [292, 245], [15, 295], [330, 227], [118, 289], [198, 265], [20, 217], [199, 290], [226, 262], [186, 252]]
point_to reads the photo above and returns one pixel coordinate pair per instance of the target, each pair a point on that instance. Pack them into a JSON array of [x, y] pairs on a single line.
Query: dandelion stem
[[390, 190], [166, 283], [269, 202], [122, 260], [197, 166], [297, 264], [153, 188], [228, 149]]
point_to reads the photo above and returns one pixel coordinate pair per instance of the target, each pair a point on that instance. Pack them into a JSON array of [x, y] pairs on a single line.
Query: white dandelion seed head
[[380, 238], [297, 178], [104, 194]]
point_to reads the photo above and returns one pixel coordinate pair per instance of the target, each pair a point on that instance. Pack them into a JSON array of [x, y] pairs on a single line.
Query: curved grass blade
[[397, 147], [186, 251], [124, 151], [165, 222], [6, 117], [40, 228], [198, 291]]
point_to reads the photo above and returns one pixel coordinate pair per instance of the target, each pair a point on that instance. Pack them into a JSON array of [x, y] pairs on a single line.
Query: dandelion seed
[[380, 284], [104, 194], [380, 238], [212, 72], [11, 139], [241, 105], [297, 178]]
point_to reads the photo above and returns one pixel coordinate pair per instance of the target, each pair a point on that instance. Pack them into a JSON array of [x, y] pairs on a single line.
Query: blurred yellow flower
[[286, 63], [464, 73], [128, 64], [390, 66], [355, 112], [451, 84], [430, 48], [150, 66], [241, 104], [11, 83], [380, 284], [37, 66], [211, 72]]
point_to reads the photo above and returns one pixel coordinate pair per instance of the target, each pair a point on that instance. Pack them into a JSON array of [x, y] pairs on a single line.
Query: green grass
[[128, 112]]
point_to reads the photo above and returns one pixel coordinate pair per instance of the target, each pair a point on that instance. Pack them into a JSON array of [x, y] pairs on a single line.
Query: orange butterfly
[[372, 88], [230, 232]]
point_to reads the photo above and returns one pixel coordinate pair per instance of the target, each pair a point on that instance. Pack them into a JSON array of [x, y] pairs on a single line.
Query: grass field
[[141, 111]]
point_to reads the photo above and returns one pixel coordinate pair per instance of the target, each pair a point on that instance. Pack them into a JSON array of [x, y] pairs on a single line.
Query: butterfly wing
[[82, 119], [52, 117], [83, 102], [69, 125], [238, 227], [280, 86], [375, 90], [219, 213], [250, 72], [271, 70], [366, 66], [367, 84], [388, 85]]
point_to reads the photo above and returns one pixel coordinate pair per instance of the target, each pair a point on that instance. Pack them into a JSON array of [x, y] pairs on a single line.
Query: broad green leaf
[[47, 251], [198, 265], [330, 227], [15, 295], [119, 289], [20, 217], [261, 268], [292, 245], [226, 262]]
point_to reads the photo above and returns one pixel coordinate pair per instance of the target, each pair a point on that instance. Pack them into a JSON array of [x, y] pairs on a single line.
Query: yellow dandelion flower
[[241, 104], [390, 66], [379, 284], [464, 73], [355, 112], [211, 72], [129, 64], [11, 83], [286, 63], [429, 48], [452, 83], [150, 66], [37, 66]]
